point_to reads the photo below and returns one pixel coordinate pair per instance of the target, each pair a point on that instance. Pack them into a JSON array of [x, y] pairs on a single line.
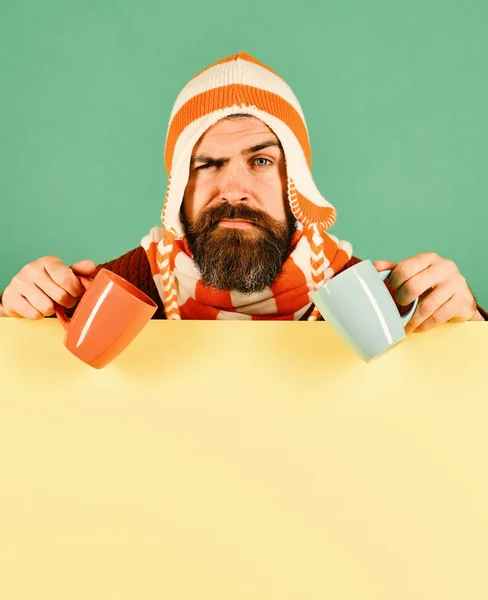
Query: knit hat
[[237, 84]]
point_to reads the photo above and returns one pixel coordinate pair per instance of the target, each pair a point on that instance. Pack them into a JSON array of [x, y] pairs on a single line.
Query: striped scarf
[[233, 85]]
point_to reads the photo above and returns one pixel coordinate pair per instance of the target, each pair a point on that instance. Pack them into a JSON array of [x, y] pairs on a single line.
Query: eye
[[262, 158], [214, 164], [206, 166]]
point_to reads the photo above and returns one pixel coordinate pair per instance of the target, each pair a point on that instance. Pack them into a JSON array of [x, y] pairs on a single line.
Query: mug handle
[[60, 312], [406, 317]]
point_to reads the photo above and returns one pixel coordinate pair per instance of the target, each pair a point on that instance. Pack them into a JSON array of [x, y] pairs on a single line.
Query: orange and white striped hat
[[225, 88], [236, 84]]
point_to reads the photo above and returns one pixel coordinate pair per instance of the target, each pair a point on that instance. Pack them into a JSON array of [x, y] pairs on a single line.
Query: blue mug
[[359, 307]]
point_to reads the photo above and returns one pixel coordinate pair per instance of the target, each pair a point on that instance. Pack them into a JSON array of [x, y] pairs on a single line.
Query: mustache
[[211, 217]]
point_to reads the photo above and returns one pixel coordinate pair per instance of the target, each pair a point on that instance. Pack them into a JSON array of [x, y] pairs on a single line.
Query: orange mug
[[110, 314]]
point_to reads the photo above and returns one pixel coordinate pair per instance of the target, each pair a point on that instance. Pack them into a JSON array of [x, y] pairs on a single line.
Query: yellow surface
[[230, 460]]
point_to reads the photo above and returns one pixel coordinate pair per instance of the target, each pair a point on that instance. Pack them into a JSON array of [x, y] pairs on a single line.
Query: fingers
[[38, 301], [52, 291], [24, 309], [84, 267], [64, 277], [414, 286], [41, 297], [39, 285], [430, 308], [445, 312], [383, 265], [410, 267]]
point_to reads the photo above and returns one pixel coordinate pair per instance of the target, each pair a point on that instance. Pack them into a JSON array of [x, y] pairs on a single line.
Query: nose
[[233, 193], [233, 186]]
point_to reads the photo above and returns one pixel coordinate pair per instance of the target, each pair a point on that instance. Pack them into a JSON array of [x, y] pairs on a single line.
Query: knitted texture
[[235, 84], [134, 267]]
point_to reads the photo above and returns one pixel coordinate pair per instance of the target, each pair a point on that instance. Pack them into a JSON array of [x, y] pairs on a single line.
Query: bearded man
[[244, 230]]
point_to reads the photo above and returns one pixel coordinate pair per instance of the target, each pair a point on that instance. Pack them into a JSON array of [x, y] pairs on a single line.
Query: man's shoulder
[[134, 267], [131, 261]]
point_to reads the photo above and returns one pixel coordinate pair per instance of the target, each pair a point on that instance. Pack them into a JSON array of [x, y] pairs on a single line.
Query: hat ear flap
[[306, 211], [170, 296]]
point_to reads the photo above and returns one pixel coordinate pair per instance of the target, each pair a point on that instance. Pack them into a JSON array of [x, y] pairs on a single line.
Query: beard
[[242, 260]]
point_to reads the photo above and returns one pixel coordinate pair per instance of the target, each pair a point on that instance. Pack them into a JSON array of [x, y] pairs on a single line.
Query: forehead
[[232, 134]]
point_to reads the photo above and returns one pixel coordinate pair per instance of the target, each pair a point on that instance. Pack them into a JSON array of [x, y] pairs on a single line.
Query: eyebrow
[[205, 158]]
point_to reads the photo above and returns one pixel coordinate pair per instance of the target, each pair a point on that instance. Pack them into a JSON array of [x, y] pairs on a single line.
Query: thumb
[[382, 265], [84, 267]]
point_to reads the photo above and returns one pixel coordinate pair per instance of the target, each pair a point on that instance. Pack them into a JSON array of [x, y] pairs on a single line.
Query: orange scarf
[[287, 299]]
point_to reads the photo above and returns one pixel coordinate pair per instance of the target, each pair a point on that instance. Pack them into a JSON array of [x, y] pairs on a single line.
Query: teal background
[[395, 96]]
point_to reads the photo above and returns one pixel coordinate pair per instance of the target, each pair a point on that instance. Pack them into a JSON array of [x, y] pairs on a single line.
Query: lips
[[235, 223]]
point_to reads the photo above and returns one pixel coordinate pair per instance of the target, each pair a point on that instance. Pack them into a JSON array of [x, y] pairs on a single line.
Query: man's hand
[[35, 289], [443, 292]]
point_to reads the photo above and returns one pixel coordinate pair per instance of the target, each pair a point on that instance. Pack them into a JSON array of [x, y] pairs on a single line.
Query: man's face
[[235, 208]]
